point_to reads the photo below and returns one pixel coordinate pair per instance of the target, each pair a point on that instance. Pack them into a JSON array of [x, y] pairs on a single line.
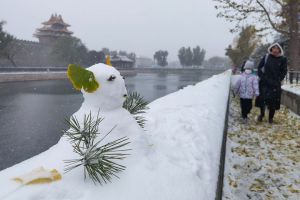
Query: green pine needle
[[136, 105], [99, 160], [85, 134]]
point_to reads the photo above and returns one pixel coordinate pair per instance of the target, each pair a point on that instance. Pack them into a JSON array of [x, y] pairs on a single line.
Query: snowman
[[104, 93]]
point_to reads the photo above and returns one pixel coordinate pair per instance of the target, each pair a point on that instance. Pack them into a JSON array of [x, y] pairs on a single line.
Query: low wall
[[33, 76], [40, 76], [220, 184], [291, 100]]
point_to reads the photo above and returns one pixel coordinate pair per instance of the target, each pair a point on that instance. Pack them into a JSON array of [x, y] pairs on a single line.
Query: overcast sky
[[141, 26]]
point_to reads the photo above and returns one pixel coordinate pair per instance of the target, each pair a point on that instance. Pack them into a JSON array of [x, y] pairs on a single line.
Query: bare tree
[[9, 46], [278, 15], [12, 49]]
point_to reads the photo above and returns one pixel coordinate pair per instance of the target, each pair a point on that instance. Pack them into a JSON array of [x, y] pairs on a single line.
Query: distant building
[[144, 62], [53, 29], [121, 62], [38, 54]]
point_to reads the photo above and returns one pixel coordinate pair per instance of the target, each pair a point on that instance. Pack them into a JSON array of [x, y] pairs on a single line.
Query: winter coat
[[247, 86], [271, 71]]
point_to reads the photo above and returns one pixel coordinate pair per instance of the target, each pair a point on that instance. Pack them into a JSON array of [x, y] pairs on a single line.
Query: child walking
[[247, 89]]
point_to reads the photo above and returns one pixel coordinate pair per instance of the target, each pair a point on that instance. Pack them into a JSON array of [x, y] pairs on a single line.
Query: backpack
[[266, 60]]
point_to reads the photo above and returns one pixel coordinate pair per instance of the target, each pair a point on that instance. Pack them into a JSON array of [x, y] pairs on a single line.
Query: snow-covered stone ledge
[[187, 127], [291, 97]]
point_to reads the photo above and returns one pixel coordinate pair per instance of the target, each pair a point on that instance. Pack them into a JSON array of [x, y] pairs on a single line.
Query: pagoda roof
[[49, 34], [55, 19], [49, 29]]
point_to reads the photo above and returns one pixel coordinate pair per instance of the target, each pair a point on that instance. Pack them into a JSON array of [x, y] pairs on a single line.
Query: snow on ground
[[294, 88], [176, 158], [262, 161]]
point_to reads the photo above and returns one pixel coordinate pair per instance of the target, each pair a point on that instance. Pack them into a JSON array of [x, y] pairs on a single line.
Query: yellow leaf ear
[[82, 78]]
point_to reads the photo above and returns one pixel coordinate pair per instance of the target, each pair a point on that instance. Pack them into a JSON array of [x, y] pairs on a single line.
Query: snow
[[293, 88], [175, 158], [234, 79], [187, 128]]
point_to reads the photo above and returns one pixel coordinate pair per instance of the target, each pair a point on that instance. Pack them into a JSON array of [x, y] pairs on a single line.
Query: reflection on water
[[32, 113], [153, 86]]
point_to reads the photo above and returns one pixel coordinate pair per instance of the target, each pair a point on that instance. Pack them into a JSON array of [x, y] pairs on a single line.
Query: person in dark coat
[[271, 71]]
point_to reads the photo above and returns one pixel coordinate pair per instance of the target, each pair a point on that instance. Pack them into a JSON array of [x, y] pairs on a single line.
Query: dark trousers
[[271, 111], [246, 106]]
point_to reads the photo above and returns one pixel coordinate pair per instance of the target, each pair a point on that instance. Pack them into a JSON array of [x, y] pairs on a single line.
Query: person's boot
[[260, 118], [271, 121], [262, 114], [271, 115]]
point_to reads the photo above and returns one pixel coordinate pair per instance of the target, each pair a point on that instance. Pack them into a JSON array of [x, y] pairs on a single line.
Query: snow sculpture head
[[102, 86]]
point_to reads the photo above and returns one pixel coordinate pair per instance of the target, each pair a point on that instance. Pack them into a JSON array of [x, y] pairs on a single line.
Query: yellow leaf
[[292, 190], [39, 176], [82, 78], [256, 188]]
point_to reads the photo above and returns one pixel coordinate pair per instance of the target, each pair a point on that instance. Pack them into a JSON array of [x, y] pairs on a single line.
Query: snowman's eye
[[111, 78]]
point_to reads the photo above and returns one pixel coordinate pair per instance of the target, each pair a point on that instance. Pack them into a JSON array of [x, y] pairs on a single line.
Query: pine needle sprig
[[79, 134], [99, 160], [136, 105]]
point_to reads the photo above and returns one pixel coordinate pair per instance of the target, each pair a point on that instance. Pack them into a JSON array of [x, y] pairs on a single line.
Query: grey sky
[[141, 26]]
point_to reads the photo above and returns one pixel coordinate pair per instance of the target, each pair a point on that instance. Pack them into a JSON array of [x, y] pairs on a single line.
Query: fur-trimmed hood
[[280, 47]]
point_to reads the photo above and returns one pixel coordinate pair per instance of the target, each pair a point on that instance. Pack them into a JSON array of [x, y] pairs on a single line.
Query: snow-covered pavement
[[263, 161]]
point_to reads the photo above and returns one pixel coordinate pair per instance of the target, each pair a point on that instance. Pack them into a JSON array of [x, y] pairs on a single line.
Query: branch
[[270, 20], [279, 2]]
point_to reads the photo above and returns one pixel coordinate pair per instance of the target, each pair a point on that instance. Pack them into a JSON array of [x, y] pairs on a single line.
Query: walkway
[[262, 161]]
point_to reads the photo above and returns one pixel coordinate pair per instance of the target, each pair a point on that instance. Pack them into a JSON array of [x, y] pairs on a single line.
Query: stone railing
[[291, 100], [293, 77]]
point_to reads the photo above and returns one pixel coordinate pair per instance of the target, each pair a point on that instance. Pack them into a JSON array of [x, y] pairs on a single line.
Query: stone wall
[[291, 100], [43, 75], [29, 53], [33, 76]]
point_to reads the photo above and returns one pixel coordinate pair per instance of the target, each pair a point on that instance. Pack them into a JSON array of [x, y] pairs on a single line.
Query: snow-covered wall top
[[292, 88], [186, 127]]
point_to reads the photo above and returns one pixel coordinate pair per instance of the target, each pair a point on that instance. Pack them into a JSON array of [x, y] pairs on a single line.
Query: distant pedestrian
[[247, 89], [271, 71]]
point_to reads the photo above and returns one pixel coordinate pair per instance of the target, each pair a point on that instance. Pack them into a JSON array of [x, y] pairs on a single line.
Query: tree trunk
[[12, 61], [294, 42]]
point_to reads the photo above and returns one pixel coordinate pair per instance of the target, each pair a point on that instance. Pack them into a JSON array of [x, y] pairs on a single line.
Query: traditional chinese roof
[[54, 27], [117, 58], [46, 28], [55, 19]]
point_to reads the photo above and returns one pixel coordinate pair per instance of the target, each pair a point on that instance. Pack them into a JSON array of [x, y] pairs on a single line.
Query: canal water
[[32, 113]]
